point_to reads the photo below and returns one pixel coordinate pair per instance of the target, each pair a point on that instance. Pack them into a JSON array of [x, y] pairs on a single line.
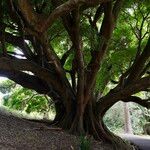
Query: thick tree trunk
[[60, 112], [82, 123], [86, 123]]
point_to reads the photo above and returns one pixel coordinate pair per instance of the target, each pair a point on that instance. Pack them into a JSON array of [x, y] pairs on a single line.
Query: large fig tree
[[70, 51]]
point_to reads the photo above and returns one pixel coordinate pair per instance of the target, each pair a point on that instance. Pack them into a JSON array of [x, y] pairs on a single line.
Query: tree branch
[[28, 13], [67, 19], [41, 24], [146, 68], [138, 100], [59, 11], [77, 43], [25, 65], [114, 96], [66, 55], [138, 65], [19, 42], [98, 14], [116, 8], [92, 3], [98, 54], [31, 82], [66, 8], [26, 80], [140, 37], [44, 74]]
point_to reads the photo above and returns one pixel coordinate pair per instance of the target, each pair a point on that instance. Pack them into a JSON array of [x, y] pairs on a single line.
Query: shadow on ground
[[20, 134]]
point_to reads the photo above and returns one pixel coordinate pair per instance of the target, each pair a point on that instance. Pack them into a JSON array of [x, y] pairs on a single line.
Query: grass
[[85, 143]]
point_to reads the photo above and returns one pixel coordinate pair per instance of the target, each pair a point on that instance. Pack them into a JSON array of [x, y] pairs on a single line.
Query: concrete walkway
[[143, 142]]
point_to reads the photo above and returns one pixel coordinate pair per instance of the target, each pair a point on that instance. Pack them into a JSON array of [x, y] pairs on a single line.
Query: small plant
[[85, 143]]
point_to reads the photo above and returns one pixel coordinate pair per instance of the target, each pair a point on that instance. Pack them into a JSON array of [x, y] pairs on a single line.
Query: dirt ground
[[20, 134]]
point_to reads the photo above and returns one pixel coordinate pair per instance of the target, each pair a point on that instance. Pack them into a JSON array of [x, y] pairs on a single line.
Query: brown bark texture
[[77, 107]]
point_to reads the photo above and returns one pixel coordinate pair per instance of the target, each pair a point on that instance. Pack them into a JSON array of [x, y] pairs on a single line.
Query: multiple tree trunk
[[77, 107]]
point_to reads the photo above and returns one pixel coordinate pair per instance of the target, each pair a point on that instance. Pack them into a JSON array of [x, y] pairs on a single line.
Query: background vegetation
[[83, 57], [25, 100]]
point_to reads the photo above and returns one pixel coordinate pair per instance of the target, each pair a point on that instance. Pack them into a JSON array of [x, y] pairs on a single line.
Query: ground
[[17, 133]]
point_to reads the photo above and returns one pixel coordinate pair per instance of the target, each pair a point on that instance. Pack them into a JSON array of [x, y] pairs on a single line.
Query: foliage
[[114, 118], [20, 98], [123, 47], [84, 55], [85, 143], [6, 86]]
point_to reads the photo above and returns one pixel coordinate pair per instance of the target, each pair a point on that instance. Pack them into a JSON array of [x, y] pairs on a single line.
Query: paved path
[[143, 142]]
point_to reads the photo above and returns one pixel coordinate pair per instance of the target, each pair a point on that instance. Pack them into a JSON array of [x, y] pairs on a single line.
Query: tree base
[[90, 126]]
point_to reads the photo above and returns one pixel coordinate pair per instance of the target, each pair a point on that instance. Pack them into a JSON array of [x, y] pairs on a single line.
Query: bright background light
[[1, 94], [2, 79]]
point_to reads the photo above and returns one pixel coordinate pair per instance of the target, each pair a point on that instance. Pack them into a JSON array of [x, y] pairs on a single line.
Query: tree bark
[[77, 110], [127, 120]]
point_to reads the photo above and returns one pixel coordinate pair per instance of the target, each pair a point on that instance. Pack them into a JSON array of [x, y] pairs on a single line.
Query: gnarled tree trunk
[[77, 107]]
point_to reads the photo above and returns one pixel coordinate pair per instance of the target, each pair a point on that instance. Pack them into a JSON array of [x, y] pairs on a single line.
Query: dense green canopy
[[85, 55]]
